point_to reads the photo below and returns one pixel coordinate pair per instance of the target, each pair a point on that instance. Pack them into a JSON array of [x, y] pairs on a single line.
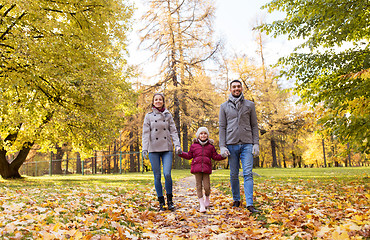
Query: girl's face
[[158, 101], [203, 136]]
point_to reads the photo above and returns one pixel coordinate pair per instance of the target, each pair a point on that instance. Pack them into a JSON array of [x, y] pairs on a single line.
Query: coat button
[[164, 129], [156, 129], [156, 138], [155, 120], [164, 137], [164, 120]]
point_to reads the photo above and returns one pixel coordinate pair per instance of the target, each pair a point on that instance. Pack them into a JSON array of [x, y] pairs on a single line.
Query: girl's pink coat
[[201, 156]]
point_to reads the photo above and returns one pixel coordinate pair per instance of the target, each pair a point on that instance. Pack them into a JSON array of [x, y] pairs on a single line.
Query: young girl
[[202, 151]]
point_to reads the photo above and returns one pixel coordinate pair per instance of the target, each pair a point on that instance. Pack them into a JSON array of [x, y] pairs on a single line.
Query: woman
[[159, 136]]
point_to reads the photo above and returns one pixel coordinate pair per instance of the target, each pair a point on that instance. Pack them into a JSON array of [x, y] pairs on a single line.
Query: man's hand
[[225, 154], [256, 150], [145, 154]]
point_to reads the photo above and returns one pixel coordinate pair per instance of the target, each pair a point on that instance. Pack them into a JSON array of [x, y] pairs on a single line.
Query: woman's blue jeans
[[155, 160], [241, 153]]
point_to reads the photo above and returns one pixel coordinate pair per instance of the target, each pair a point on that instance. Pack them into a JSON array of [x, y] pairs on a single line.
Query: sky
[[233, 23]]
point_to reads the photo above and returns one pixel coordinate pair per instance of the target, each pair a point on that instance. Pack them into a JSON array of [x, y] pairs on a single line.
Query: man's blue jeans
[[241, 153], [155, 161]]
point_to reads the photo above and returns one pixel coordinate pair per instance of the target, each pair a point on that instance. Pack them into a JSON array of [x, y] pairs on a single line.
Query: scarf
[[161, 110], [202, 142], [236, 100]]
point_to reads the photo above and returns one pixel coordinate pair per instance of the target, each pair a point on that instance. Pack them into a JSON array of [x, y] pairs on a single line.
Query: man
[[239, 139]]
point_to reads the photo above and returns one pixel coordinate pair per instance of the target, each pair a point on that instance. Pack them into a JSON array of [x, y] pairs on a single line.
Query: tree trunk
[[284, 160], [57, 162], [262, 161], [185, 133], [349, 155], [137, 149], [108, 160], [11, 170], [278, 158], [185, 141], [334, 158], [67, 161], [176, 118], [95, 162], [256, 162], [323, 151], [78, 164], [132, 156], [273, 151], [137, 157], [115, 157]]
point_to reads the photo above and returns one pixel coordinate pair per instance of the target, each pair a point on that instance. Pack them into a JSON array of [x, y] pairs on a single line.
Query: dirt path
[[219, 222]]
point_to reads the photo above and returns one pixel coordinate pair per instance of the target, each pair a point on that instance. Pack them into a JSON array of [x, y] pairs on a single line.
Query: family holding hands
[[238, 141]]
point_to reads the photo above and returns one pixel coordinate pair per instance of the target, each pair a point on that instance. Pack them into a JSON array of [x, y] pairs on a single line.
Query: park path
[[186, 222]]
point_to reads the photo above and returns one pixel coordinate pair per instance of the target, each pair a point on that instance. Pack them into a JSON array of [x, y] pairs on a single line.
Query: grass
[[222, 176], [218, 178], [324, 174], [130, 181]]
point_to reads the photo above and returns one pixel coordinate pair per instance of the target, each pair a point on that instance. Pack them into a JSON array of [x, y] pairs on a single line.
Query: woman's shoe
[[161, 203], [170, 204]]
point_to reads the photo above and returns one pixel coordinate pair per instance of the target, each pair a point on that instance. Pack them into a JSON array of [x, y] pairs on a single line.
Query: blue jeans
[[241, 153], [155, 161]]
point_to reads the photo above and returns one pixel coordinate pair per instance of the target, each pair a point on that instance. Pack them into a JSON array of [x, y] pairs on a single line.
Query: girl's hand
[[178, 150]]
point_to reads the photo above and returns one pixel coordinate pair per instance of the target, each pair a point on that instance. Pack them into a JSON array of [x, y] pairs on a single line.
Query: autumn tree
[[325, 149], [203, 100], [331, 65], [62, 75], [179, 33]]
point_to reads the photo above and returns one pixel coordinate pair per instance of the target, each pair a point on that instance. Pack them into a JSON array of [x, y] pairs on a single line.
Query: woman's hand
[[145, 153]]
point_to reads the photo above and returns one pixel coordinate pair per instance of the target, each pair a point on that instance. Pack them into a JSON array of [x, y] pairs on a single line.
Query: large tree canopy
[[179, 33], [62, 74], [332, 64]]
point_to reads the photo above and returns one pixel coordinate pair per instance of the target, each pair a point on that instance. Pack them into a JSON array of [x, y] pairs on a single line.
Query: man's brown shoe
[[236, 204], [252, 209]]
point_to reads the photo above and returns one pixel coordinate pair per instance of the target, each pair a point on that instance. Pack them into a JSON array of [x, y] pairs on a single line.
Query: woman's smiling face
[[158, 101]]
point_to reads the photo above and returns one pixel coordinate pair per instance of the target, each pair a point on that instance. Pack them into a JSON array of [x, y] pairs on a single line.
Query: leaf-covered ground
[[84, 209]]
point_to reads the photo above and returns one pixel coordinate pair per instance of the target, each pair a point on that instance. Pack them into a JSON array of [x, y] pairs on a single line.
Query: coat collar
[[209, 141], [158, 112]]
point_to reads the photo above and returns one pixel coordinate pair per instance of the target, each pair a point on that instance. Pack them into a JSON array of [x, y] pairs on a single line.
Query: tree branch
[[11, 26]]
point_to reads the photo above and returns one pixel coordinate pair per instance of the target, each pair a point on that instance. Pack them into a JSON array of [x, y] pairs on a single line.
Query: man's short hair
[[236, 80]]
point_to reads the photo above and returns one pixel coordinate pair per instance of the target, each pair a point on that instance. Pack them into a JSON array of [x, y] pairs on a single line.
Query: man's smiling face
[[236, 89]]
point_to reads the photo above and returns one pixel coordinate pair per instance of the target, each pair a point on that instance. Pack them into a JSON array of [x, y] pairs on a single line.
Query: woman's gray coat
[[159, 132]]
